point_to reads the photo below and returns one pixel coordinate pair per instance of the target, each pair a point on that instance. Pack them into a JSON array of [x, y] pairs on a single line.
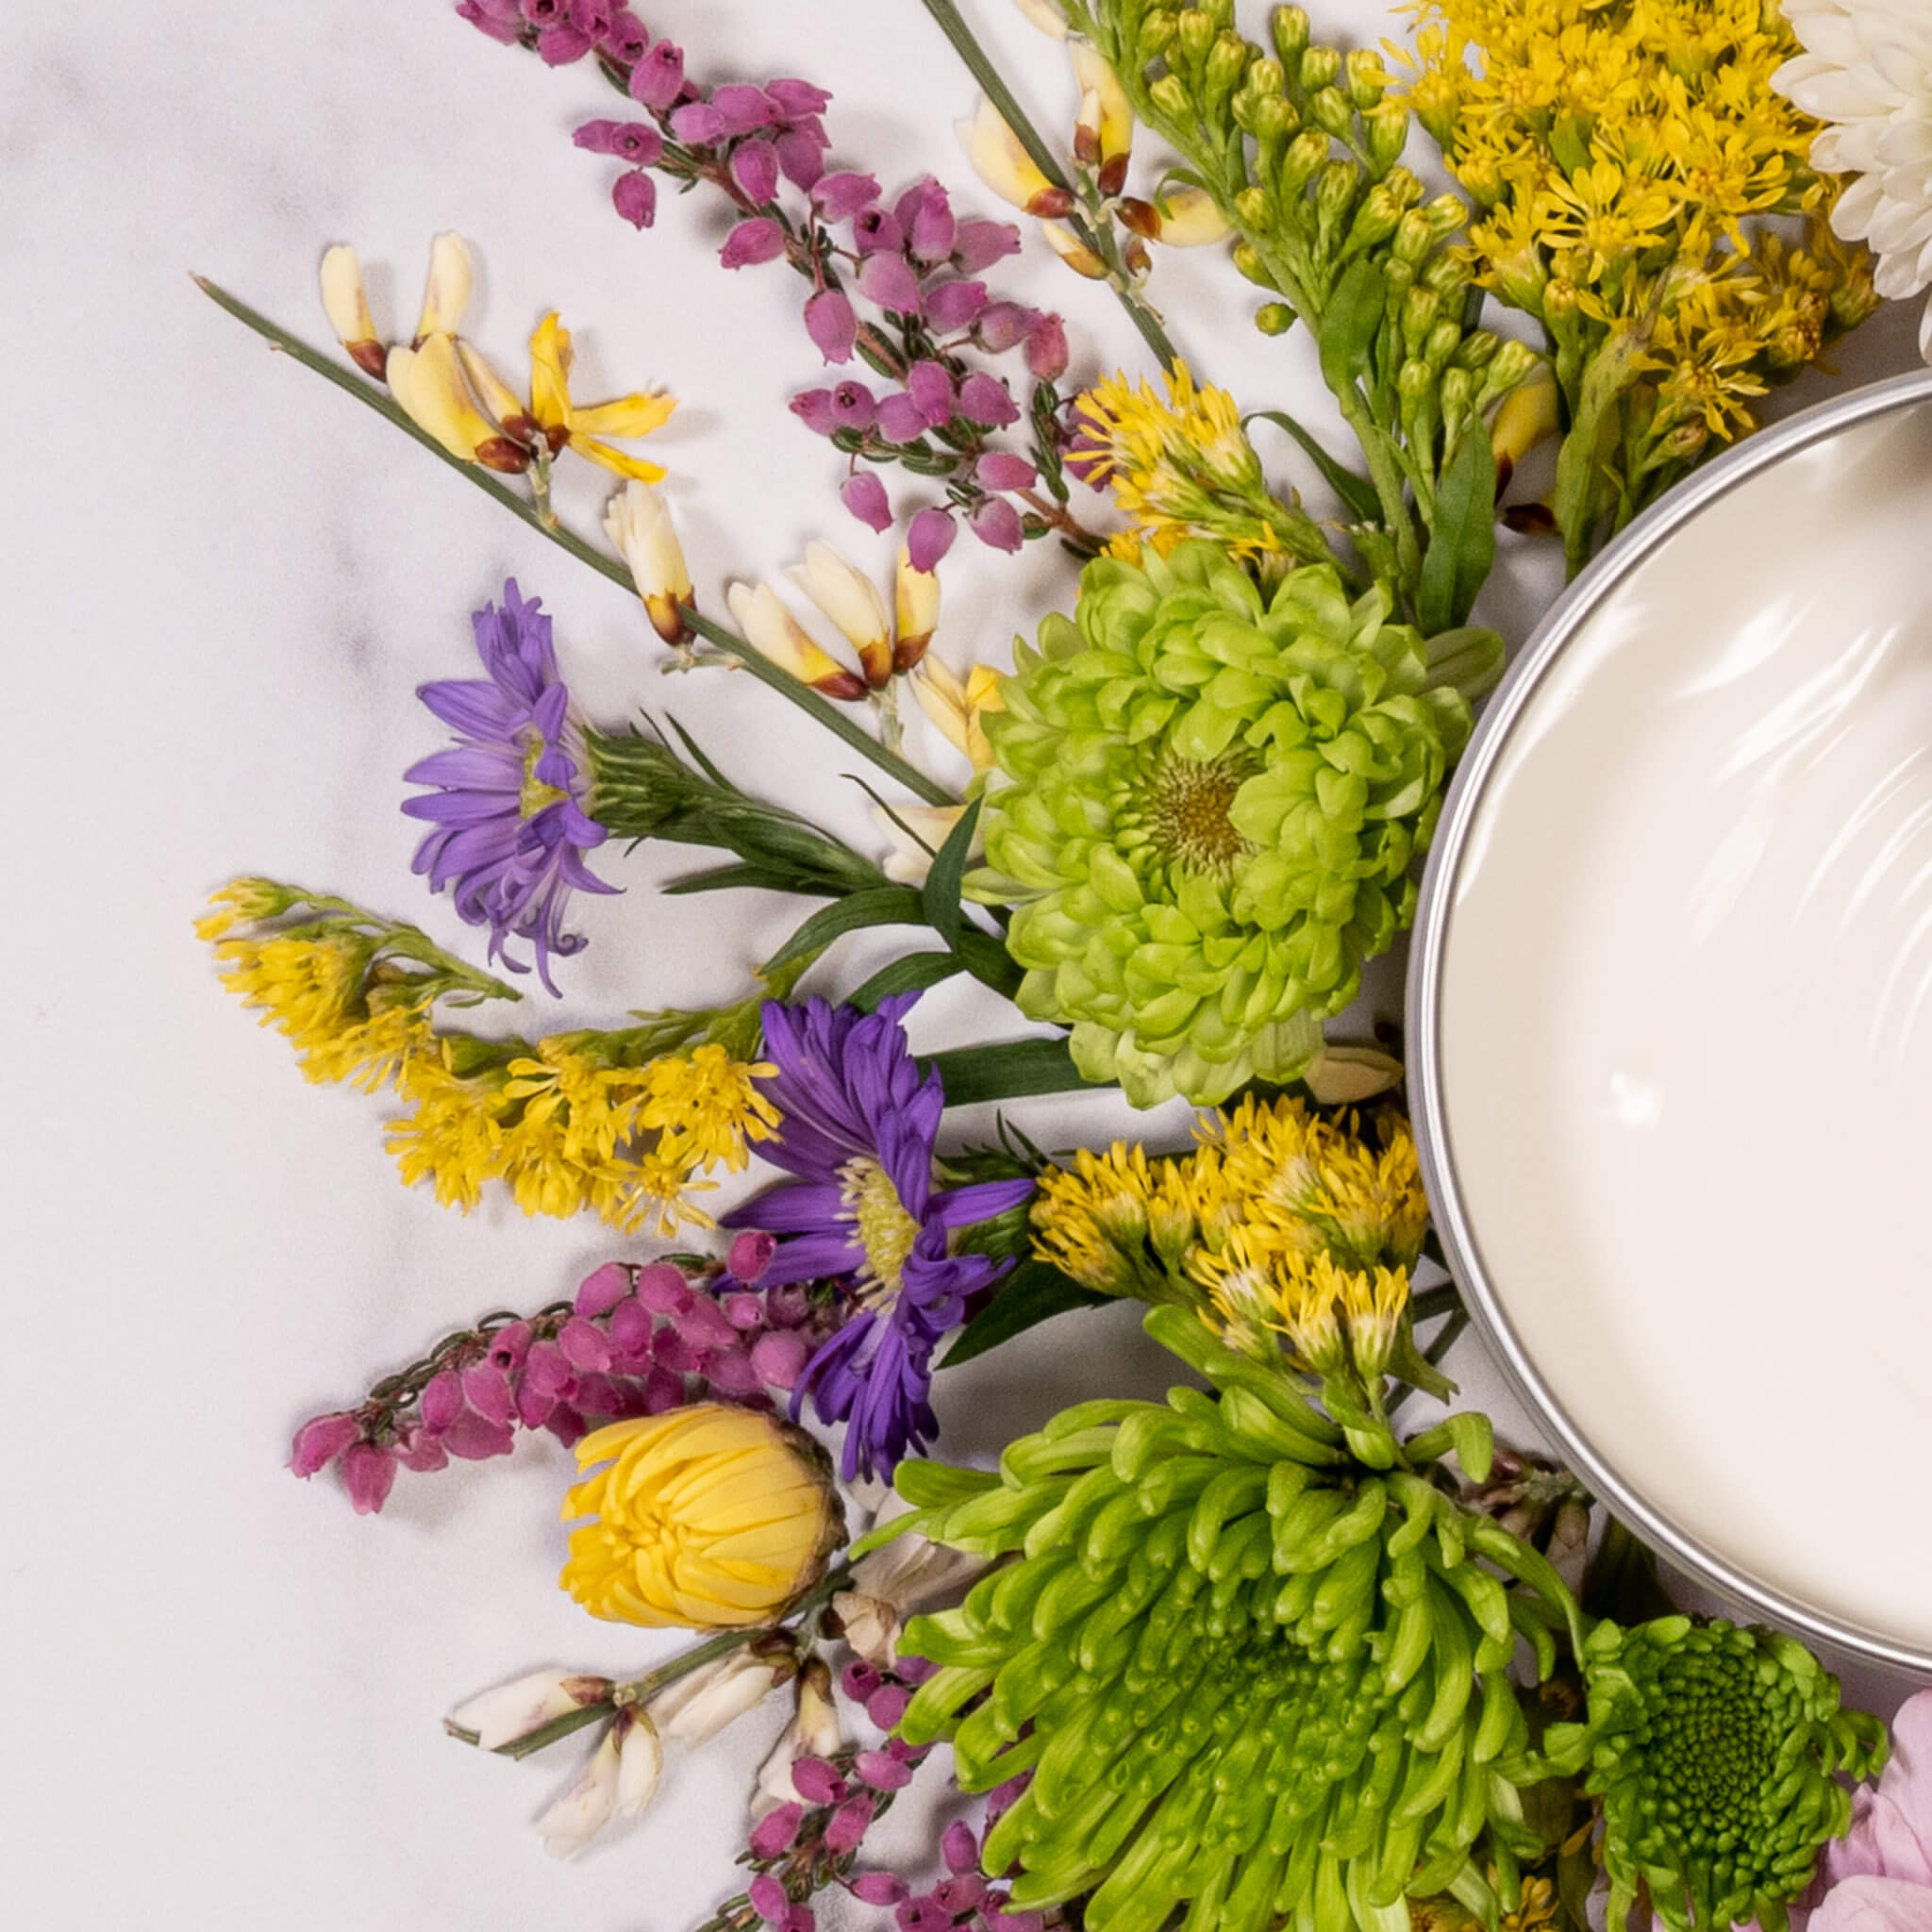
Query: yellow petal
[[628, 418], [550, 372], [615, 459], [446, 293]]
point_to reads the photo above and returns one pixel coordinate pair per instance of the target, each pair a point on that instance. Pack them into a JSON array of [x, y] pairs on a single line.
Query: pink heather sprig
[[898, 284], [803, 1848], [635, 1340]]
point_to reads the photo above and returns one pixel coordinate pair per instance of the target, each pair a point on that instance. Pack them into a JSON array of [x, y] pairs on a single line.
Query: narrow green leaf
[[1358, 493], [1463, 544], [912, 974], [1035, 1291], [988, 961], [724, 878], [877, 905], [940, 897], [1468, 658], [1349, 324], [1009, 1070]]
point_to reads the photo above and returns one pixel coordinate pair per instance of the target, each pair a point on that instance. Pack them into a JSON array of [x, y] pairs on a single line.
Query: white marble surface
[[225, 582]]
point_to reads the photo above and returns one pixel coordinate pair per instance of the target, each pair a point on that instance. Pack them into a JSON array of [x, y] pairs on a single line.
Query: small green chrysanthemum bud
[[1386, 127], [1273, 119], [1195, 34], [1413, 382], [1247, 261], [1419, 310], [1366, 81], [1319, 66], [1477, 349], [1171, 99], [1307, 152], [1510, 367], [1156, 36], [1274, 318], [1335, 188], [1227, 61], [1449, 277], [1375, 220], [1289, 27], [1328, 109]]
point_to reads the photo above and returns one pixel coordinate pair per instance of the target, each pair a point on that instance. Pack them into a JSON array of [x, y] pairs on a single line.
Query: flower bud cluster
[[1299, 147], [814, 1838], [895, 281], [636, 1340]]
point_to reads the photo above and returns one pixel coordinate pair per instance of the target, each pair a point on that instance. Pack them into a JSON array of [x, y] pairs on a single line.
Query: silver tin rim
[[1571, 612]]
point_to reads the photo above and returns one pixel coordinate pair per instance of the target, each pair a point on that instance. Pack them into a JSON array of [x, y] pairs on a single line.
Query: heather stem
[[992, 83]]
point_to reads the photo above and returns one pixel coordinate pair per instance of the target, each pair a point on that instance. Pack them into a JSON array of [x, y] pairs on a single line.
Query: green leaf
[[912, 974], [931, 1484], [1358, 493], [1469, 659], [728, 878], [1035, 1291], [988, 961], [1463, 544], [879, 905], [940, 898], [1008, 1071], [1353, 314]]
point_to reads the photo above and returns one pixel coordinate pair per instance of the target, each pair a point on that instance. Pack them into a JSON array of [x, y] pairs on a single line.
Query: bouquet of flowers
[[1260, 1654]]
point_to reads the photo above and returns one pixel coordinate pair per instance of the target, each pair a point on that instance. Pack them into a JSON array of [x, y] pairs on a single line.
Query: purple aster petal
[[962, 1207], [509, 862]]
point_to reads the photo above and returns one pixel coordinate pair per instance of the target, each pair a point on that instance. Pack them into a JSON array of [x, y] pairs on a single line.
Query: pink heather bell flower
[[832, 325]]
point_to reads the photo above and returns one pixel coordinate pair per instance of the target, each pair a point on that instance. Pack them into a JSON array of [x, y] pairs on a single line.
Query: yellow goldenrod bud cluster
[[1628, 159]]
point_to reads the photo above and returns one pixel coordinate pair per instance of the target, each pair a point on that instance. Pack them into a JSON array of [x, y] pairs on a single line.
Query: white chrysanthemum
[[1867, 71]]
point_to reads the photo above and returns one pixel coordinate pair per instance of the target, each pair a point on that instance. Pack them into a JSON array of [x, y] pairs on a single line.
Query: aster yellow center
[[885, 1231], [1188, 806], [535, 795]]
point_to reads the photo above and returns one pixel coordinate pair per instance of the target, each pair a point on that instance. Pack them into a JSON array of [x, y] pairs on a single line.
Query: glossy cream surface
[[1687, 1027]]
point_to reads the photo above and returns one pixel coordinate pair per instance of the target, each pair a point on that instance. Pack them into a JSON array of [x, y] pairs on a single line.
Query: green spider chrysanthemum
[[1713, 1749], [1213, 804], [1252, 1677]]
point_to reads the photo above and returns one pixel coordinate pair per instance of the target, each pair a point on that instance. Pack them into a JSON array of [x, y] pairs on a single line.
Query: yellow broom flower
[[705, 1517]]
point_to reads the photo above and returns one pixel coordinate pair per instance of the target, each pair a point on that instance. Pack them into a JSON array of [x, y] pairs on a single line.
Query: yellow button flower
[[705, 1517]]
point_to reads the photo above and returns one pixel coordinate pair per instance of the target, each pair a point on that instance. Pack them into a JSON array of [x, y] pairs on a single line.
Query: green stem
[[639, 1691], [387, 407], [950, 22]]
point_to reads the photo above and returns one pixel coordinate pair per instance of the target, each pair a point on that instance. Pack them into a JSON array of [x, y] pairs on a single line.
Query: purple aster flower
[[858, 1123], [511, 825]]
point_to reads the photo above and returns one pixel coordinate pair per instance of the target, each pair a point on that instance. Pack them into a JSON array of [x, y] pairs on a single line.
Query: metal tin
[[1618, 561]]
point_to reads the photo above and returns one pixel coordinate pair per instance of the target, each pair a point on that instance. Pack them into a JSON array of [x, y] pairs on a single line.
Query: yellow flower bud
[[958, 706], [430, 385], [1189, 218], [446, 293], [1106, 114], [1006, 167], [916, 610], [775, 633], [850, 601], [1072, 250], [1528, 416], [347, 308], [705, 1517], [638, 522]]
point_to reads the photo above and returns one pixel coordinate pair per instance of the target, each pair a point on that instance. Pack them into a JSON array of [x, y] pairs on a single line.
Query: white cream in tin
[[1685, 1024]]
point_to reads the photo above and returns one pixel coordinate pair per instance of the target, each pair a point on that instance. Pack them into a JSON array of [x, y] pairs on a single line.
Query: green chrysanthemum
[[1214, 808], [1713, 1750], [1250, 1675]]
